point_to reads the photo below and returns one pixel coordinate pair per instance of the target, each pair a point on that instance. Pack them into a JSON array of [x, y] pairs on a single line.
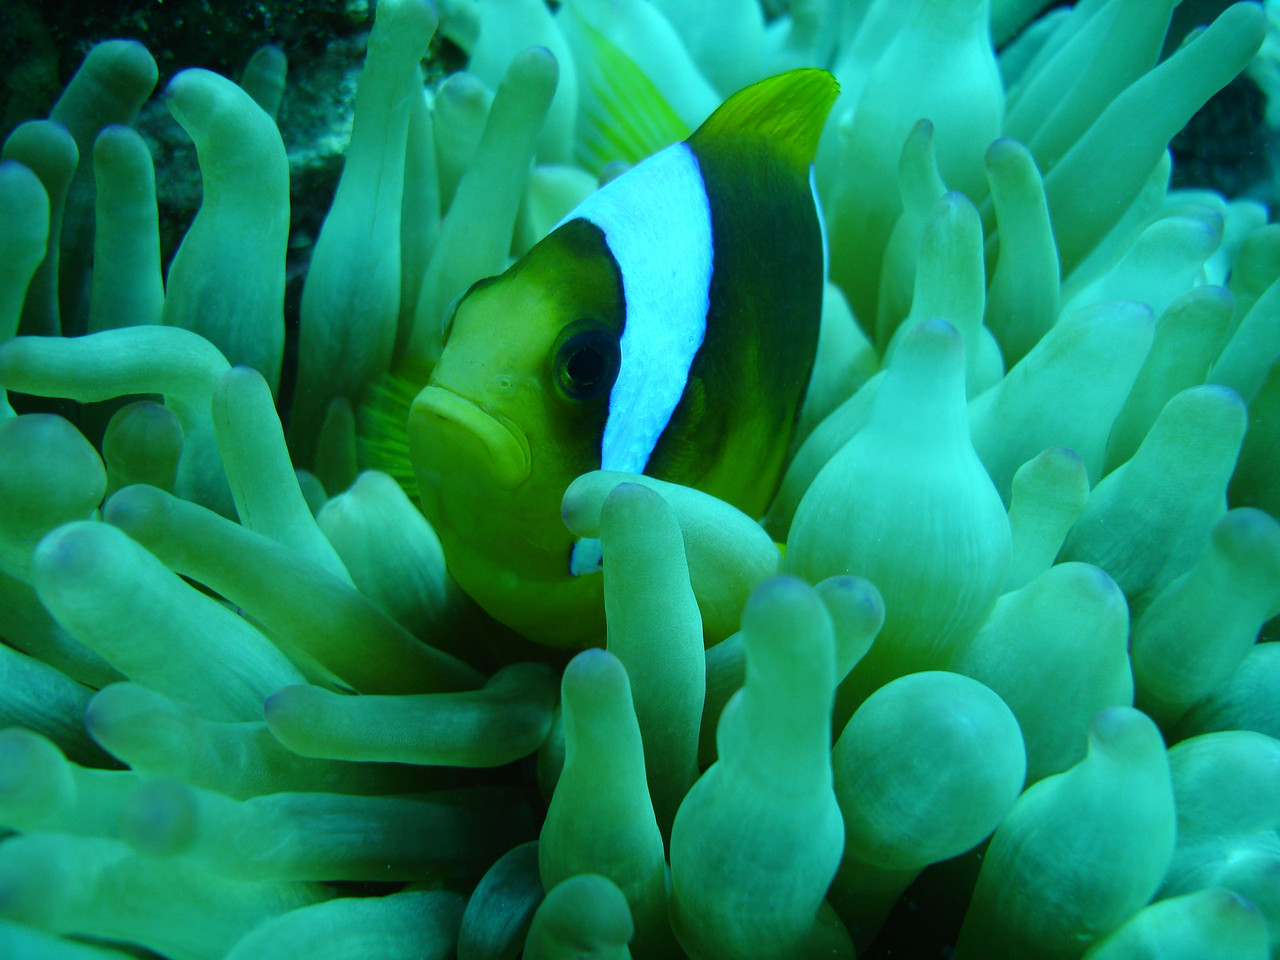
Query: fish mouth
[[458, 424]]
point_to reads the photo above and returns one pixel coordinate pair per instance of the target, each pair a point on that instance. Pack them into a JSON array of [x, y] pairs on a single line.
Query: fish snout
[[454, 428]]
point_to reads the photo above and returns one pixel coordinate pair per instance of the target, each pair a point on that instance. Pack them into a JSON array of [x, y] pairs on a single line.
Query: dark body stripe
[[748, 380]]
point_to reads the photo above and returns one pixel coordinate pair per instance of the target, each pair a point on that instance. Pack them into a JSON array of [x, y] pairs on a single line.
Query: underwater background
[[1010, 687]]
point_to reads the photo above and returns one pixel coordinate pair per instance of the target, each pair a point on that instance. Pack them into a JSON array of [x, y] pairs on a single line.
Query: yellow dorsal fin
[[789, 109], [381, 440], [622, 115]]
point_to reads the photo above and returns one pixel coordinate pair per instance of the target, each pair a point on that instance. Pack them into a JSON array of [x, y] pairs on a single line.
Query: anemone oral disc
[[458, 424]]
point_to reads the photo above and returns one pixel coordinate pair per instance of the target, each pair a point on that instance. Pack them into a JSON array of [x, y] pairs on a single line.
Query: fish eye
[[586, 360]]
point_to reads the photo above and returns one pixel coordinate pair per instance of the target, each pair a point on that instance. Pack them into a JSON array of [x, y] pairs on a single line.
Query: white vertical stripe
[[656, 222]]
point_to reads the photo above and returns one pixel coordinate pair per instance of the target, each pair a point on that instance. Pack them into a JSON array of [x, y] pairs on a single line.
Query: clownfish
[[666, 326]]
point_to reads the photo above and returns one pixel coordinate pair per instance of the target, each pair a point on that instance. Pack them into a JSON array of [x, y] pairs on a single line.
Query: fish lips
[[451, 425]]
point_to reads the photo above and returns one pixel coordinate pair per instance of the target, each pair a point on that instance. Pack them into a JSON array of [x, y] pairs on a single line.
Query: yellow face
[[513, 412]]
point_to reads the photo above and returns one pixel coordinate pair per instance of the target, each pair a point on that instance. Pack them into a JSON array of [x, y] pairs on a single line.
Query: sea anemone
[[1010, 659]]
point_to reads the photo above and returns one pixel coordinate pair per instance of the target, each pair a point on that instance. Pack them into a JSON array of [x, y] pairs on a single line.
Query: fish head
[[513, 412]]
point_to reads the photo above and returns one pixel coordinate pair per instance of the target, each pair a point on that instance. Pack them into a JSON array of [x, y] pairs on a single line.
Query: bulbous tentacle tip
[[1006, 152], [279, 706], [69, 467], [373, 486], [464, 93], [594, 675], [21, 193], [582, 504], [572, 505], [951, 206], [1230, 905], [48, 141], [1124, 730], [220, 115], [585, 915], [72, 552], [929, 342], [415, 21], [534, 64], [192, 95], [774, 605], [30, 766], [1090, 582], [628, 501], [140, 510], [1060, 457], [785, 623], [239, 377], [123, 60], [1248, 531], [121, 706], [1209, 410], [784, 588], [854, 597], [270, 58], [116, 145], [160, 818], [856, 609]]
